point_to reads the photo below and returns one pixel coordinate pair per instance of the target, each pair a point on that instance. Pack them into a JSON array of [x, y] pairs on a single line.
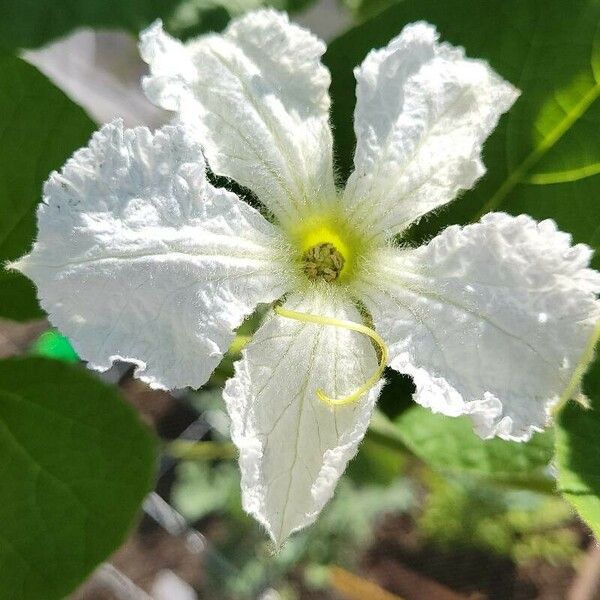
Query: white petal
[[258, 97], [139, 258], [293, 447], [423, 111], [490, 319]]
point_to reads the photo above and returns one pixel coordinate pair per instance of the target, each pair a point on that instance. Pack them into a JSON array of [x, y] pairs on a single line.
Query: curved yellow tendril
[[352, 326]]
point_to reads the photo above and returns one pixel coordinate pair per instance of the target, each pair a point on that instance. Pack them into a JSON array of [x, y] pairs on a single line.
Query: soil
[[401, 562]]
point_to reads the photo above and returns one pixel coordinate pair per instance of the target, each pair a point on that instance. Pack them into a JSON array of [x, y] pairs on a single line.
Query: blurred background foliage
[[31, 23], [423, 488]]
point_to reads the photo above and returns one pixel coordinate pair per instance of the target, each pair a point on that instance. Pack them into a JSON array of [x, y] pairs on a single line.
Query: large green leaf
[[32, 23], [76, 464], [450, 445], [544, 158], [39, 128], [578, 451]]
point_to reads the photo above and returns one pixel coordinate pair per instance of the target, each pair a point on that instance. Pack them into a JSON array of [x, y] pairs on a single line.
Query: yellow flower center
[[328, 249]]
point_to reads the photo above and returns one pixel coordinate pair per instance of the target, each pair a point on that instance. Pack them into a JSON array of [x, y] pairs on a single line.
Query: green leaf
[[39, 128], [31, 23], [18, 300], [449, 444], [76, 464], [544, 158], [578, 451]]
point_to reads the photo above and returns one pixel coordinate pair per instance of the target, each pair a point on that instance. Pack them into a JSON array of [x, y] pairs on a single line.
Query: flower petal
[[258, 96], [293, 447], [423, 111], [490, 320], [139, 258]]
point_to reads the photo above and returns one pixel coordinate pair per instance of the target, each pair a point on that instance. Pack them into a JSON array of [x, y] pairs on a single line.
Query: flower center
[[323, 261], [326, 248]]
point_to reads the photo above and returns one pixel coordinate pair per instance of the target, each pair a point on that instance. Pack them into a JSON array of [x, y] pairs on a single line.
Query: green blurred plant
[[519, 524]]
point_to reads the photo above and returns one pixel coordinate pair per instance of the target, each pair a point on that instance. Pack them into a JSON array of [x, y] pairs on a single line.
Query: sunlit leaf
[[449, 445]]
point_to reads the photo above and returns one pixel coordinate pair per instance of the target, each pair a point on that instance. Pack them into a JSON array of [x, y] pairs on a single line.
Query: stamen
[[352, 326], [323, 261]]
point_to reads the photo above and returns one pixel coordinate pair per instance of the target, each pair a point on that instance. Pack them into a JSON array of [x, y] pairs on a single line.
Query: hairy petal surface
[[258, 97], [293, 447], [490, 320], [139, 258], [422, 113]]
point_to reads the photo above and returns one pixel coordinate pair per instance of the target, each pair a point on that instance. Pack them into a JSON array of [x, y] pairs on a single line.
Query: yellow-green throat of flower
[[328, 248]]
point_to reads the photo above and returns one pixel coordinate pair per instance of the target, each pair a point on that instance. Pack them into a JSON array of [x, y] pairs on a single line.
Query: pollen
[[326, 247], [323, 261]]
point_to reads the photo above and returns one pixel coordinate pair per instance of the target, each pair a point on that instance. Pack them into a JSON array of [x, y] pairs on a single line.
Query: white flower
[[139, 258]]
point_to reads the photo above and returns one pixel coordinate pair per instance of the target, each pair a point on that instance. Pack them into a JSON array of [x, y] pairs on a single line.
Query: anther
[[352, 326], [323, 261]]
